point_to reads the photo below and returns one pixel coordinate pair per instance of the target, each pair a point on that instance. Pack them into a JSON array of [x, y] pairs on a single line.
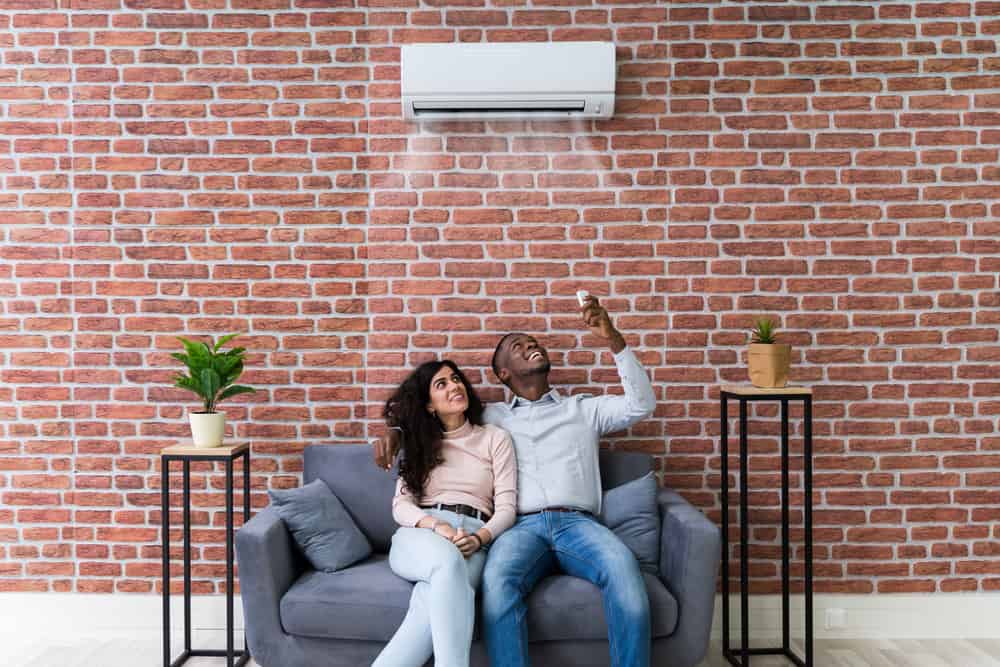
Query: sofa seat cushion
[[368, 602], [563, 607], [365, 601]]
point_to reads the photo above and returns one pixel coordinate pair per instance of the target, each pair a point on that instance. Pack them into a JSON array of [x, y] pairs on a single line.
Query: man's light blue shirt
[[557, 438]]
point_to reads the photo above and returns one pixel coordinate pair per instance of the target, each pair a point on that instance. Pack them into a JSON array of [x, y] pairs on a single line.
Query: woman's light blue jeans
[[443, 603]]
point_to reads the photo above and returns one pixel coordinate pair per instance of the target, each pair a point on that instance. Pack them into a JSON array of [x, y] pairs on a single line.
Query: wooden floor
[[144, 651], [887, 653]]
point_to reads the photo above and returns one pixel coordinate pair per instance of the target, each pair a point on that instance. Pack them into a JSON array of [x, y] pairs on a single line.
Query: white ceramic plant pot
[[207, 428]]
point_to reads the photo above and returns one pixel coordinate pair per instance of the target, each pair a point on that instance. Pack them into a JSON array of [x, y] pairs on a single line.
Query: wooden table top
[[750, 390], [226, 449]]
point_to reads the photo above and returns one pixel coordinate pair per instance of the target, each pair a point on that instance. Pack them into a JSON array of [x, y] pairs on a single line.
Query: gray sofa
[[298, 617]]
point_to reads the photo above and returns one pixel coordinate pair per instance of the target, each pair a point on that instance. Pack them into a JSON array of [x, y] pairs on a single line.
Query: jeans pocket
[[470, 524]]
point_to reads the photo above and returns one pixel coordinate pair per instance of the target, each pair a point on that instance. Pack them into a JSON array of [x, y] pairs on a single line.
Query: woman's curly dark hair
[[422, 432]]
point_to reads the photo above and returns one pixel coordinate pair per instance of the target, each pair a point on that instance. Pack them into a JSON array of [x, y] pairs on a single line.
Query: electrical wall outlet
[[836, 618]]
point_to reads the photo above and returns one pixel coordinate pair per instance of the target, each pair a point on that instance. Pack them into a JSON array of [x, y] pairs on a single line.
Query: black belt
[[557, 509], [460, 509]]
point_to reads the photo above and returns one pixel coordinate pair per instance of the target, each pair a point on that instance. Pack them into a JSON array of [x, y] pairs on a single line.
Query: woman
[[455, 494]]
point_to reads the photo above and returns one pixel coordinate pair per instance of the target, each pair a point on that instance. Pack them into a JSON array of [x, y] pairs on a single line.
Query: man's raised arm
[[385, 449], [615, 413]]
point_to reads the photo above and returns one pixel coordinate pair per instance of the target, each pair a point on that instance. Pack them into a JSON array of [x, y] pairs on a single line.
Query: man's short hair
[[496, 354]]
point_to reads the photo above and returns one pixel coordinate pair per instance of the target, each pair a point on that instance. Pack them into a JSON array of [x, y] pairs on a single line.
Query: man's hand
[[386, 448], [467, 543], [599, 322]]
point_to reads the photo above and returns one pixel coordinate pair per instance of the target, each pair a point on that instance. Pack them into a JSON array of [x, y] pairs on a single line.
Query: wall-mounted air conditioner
[[523, 80]]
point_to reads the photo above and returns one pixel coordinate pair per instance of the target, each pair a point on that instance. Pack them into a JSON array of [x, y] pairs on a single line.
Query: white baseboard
[[100, 613], [938, 615], [886, 616]]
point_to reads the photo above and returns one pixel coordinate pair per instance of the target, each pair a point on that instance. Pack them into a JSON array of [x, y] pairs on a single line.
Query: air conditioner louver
[[498, 107]]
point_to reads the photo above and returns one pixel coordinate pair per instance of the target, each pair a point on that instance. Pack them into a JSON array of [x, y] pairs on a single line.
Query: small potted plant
[[768, 360], [211, 375]]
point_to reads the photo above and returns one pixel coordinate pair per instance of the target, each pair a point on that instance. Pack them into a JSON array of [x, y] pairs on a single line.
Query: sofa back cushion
[[620, 467], [631, 512], [366, 491], [321, 527]]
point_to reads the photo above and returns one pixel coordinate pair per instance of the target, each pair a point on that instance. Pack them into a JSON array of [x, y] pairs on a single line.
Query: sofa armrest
[[690, 552], [268, 566]]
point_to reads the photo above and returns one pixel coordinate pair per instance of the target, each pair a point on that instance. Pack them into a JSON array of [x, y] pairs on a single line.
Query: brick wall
[[204, 166]]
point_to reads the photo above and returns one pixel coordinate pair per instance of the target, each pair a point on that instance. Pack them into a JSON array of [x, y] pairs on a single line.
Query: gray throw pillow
[[320, 526], [630, 511]]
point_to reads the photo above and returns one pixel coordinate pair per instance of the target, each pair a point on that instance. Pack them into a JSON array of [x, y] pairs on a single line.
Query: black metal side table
[[186, 454], [745, 394]]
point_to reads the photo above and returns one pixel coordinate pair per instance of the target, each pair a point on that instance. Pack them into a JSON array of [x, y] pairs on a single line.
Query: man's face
[[523, 355]]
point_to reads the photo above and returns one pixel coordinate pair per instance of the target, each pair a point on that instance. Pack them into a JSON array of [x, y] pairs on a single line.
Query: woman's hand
[[445, 530], [467, 543]]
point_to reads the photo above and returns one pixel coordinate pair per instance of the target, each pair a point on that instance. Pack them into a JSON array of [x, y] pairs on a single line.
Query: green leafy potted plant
[[211, 374], [767, 359]]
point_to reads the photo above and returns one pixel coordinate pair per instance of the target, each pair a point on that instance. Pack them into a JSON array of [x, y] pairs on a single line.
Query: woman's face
[[448, 395]]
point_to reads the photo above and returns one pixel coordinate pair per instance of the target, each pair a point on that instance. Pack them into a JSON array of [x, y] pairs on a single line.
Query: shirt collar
[[460, 432], [552, 396]]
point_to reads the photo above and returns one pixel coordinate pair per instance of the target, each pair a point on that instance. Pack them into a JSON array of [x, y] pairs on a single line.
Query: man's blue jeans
[[576, 543]]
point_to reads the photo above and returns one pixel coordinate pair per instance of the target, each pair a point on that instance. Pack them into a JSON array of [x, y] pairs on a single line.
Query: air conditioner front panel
[[505, 67], [561, 79]]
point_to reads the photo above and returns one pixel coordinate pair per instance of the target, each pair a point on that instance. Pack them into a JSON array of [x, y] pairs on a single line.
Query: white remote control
[[581, 296]]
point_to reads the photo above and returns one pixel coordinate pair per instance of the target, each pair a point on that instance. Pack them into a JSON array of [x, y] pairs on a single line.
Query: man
[[556, 440]]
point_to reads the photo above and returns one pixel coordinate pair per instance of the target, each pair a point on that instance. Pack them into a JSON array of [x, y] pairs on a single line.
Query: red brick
[[789, 189]]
